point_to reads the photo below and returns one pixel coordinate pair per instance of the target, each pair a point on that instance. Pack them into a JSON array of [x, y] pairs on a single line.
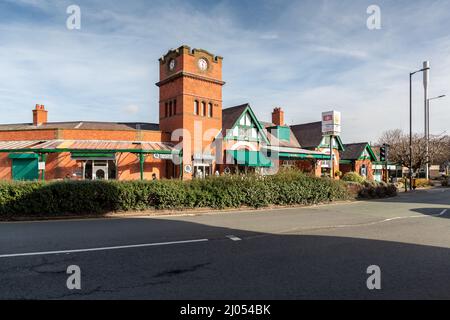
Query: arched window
[[204, 112], [196, 111], [210, 110]]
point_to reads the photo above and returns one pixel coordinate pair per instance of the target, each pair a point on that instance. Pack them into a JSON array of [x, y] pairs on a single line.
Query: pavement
[[320, 252]]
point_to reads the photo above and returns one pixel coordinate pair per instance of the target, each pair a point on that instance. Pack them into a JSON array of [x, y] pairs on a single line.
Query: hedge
[[98, 197]]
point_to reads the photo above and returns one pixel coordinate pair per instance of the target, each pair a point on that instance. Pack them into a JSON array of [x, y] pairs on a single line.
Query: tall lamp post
[[427, 134], [410, 123]]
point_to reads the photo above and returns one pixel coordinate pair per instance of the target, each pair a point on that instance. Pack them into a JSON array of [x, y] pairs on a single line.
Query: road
[[295, 253]]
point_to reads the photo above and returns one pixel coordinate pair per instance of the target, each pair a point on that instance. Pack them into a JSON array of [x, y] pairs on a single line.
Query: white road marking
[[296, 229], [100, 248], [234, 238]]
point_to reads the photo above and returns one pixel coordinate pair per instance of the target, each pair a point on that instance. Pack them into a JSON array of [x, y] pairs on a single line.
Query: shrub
[[353, 177], [371, 190], [98, 197], [422, 183]]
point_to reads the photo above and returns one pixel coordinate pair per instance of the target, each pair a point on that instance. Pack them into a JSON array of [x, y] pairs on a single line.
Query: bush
[[373, 190], [353, 177], [422, 183], [445, 182], [98, 197]]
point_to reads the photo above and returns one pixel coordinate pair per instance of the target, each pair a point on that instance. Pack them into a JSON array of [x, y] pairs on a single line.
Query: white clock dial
[[203, 64], [172, 64]]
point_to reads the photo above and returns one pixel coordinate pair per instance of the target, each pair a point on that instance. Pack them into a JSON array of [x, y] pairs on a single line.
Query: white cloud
[[307, 58]]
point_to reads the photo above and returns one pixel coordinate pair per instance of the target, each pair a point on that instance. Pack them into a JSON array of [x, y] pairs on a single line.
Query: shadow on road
[[259, 266]]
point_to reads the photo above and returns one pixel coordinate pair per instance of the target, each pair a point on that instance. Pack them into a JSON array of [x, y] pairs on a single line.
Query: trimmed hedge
[[97, 197]]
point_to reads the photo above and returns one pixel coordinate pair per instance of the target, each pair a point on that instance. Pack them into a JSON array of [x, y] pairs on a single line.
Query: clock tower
[[190, 105]]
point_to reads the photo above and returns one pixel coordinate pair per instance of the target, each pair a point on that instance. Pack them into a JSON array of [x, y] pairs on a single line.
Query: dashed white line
[[100, 248], [234, 238]]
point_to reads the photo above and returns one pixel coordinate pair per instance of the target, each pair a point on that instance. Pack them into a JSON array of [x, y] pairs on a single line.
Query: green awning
[[84, 155], [23, 156], [294, 156], [250, 158]]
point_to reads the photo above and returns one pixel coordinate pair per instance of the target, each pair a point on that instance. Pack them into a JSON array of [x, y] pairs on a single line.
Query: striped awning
[[49, 146]]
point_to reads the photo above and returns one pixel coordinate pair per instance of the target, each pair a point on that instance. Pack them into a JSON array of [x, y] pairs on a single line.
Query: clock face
[[172, 65], [203, 64]]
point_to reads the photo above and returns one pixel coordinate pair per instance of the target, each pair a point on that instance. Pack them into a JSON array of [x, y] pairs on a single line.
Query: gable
[[337, 143], [358, 151], [247, 128]]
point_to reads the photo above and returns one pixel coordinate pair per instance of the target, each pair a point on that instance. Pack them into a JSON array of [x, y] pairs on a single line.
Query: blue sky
[[305, 56]]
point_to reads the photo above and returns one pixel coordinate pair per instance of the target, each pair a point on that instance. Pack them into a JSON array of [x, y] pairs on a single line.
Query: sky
[[304, 56]]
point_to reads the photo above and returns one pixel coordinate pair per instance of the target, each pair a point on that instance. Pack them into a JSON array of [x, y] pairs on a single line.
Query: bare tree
[[439, 148]]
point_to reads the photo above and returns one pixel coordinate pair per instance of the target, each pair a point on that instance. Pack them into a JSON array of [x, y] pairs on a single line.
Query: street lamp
[[410, 123], [427, 134]]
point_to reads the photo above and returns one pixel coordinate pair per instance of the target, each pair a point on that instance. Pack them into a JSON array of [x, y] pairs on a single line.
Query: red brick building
[[358, 157], [195, 135]]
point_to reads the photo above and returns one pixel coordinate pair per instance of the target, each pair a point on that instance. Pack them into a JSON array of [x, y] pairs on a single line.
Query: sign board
[[41, 165], [331, 123], [206, 157], [163, 156]]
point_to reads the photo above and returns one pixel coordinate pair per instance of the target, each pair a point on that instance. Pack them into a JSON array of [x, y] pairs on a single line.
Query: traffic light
[[383, 154]]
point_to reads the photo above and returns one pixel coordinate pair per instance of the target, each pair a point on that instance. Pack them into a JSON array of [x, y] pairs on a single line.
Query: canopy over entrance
[[250, 158], [96, 150], [86, 146]]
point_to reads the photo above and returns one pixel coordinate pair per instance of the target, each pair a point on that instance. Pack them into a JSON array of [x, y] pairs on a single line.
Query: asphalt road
[[295, 253]]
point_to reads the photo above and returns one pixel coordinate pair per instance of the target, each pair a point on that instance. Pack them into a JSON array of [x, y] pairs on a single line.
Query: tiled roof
[[73, 145], [292, 143], [86, 125], [230, 115], [352, 151], [309, 135]]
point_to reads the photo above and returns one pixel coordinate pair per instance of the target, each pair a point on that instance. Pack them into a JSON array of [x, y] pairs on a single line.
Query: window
[[210, 110], [166, 112], [170, 108], [246, 120], [196, 111], [204, 109], [363, 170], [174, 107]]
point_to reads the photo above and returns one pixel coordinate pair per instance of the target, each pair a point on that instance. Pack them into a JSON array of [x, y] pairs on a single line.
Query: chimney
[[278, 117], [39, 115]]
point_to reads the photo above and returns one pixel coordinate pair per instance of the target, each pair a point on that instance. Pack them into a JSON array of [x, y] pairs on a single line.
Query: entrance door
[[100, 170], [202, 170], [25, 169]]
